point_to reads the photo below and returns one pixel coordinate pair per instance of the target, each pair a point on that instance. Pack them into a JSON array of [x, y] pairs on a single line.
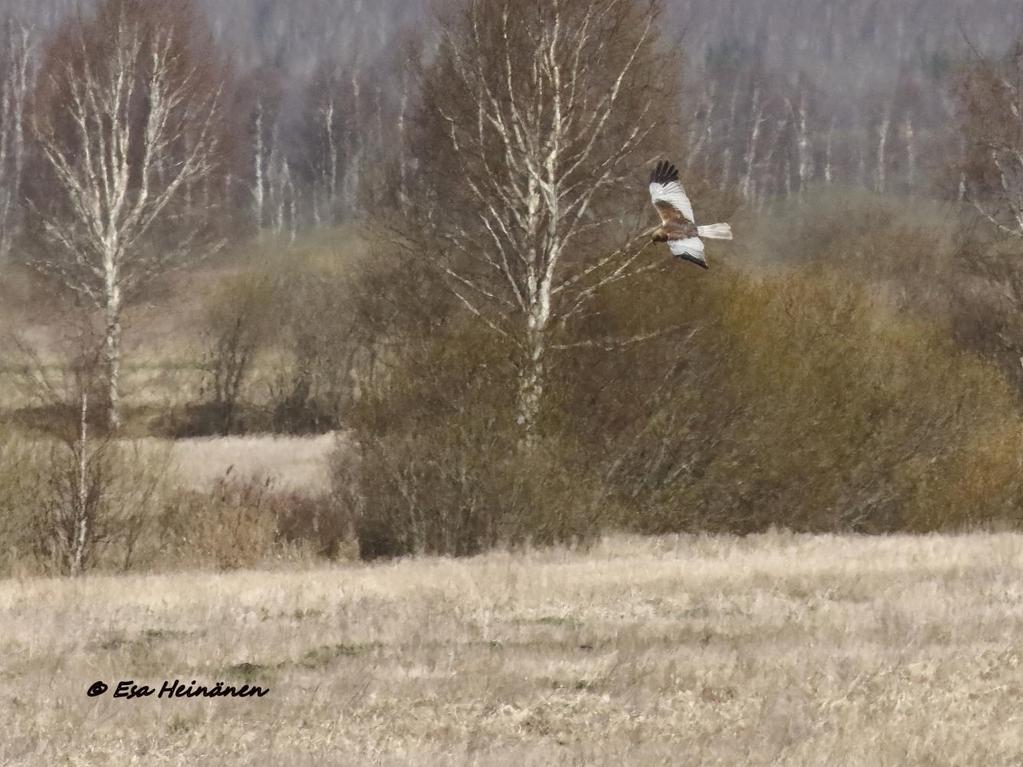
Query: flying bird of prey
[[678, 225]]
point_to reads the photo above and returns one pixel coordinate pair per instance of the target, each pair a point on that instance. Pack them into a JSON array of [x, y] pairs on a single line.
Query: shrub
[[241, 523], [16, 509], [310, 387], [278, 355], [315, 522], [797, 400], [233, 526], [427, 494], [439, 467], [40, 484], [239, 325]]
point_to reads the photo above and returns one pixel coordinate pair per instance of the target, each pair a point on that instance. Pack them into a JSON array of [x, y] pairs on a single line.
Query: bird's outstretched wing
[[689, 249], [668, 196]]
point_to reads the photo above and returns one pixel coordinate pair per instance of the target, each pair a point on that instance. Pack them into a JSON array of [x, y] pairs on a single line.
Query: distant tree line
[[779, 96]]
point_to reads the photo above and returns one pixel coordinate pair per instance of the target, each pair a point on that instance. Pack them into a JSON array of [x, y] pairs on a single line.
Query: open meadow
[[770, 649], [483, 382]]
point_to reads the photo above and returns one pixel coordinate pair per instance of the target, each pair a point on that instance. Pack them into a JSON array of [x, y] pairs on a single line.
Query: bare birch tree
[[537, 120], [93, 494], [882, 143], [988, 172], [72, 473], [128, 123], [330, 140], [991, 101], [756, 123], [16, 81], [804, 145]]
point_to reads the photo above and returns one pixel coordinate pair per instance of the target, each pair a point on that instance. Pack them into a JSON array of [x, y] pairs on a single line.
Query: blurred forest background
[[418, 226]]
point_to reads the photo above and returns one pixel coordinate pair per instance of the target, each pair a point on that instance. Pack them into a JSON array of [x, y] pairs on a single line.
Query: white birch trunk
[[752, 145], [141, 141], [555, 160], [702, 135], [259, 191], [910, 137], [882, 144], [531, 378], [112, 345], [805, 153], [726, 164], [80, 514], [333, 158], [828, 148], [861, 165], [727, 159], [355, 137], [14, 93], [403, 200], [961, 192]]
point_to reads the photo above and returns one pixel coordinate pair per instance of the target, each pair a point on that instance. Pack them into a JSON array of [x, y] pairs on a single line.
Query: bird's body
[[678, 224]]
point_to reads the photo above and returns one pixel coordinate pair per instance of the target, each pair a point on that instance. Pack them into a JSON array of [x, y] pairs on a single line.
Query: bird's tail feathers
[[716, 231]]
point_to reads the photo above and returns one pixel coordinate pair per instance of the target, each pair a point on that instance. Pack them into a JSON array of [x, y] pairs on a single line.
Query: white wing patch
[[692, 247], [673, 194]]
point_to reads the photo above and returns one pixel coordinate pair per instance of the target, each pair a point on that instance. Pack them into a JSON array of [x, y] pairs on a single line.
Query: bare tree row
[[786, 94]]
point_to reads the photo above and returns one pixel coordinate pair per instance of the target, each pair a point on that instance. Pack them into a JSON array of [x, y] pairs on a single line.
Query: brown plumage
[[674, 226], [678, 224]]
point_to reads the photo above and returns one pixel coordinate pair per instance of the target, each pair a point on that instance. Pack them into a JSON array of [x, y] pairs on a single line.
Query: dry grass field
[[774, 649], [296, 463]]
